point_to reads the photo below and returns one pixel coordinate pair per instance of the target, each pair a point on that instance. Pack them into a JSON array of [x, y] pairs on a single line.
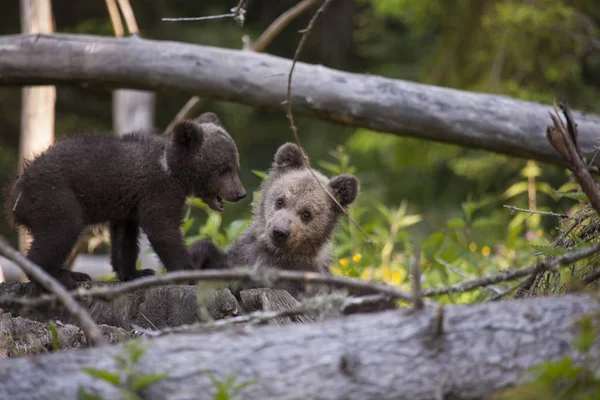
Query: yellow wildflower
[[397, 278], [485, 250], [344, 262], [473, 247], [357, 257], [386, 274], [540, 232]]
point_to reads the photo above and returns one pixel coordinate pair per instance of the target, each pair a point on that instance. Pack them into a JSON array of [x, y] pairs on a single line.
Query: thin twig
[[416, 280], [511, 289], [513, 208], [280, 23], [466, 276], [92, 331], [269, 277], [290, 115], [199, 18], [509, 275], [195, 102]]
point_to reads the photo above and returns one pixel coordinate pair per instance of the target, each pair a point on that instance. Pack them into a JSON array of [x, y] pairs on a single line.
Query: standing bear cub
[[131, 182], [292, 224]]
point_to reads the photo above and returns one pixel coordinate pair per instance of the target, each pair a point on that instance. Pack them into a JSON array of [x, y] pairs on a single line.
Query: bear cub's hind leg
[[50, 249]]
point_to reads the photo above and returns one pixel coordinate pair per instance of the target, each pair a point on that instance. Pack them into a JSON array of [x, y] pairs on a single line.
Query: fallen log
[[152, 308], [390, 355], [158, 307], [21, 336], [496, 123]]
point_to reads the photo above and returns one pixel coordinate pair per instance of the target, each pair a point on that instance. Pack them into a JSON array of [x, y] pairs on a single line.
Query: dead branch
[[115, 18], [513, 208], [565, 140], [58, 291], [474, 120], [129, 17], [266, 277], [474, 351], [547, 264]]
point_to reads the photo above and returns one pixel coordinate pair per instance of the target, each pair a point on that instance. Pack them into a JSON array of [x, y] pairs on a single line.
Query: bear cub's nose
[[241, 195], [279, 235]]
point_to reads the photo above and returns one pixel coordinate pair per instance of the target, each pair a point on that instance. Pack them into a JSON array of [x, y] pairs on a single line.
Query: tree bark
[[491, 122], [389, 355], [37, 103]]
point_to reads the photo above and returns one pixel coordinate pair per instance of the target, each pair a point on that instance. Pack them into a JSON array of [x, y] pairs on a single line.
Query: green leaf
[[134, 351], [580, 196], [262, 175], [54, 333], [516, 189], [409, 220], [107, 376], [549, 251], [141, 381], [432, 244], [187, 224], [82, 394], [587, 335], [456, 223]]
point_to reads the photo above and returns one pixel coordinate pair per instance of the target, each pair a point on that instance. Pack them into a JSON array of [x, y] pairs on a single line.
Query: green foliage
[[125, 379], [54, 333], [213, 228], [227, 389]]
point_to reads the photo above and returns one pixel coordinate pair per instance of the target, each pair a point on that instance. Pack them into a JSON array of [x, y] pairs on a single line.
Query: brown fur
[[135, 181], [293, 222]]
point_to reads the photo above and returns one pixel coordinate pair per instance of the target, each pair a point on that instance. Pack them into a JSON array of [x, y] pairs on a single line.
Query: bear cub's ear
[[208, 118], [288, 156], [187, 134], [345, 188]]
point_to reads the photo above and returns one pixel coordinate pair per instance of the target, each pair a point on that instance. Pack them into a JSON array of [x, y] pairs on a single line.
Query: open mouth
[[216, 203]]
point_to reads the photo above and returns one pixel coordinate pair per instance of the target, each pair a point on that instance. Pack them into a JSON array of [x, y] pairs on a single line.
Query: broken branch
[[92, 330]]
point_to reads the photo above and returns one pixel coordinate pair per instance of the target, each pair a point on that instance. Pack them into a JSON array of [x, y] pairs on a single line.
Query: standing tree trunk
[[37, 110]]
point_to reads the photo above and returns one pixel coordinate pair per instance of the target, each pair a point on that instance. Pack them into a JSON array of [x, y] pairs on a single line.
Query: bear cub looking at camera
[[131, 182], [292, 224]]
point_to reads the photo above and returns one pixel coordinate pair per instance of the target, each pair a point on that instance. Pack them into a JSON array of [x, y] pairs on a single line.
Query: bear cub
[[292, 224], [131, 182]]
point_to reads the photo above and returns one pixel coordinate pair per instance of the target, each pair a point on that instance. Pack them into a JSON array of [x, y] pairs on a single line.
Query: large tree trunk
[[491, 122], [389, 355], [37, 106]]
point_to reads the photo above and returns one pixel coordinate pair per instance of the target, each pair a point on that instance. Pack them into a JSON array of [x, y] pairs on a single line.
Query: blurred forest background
[[443, 197]]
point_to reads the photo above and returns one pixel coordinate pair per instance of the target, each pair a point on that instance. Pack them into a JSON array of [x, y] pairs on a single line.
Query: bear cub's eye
[[279, 202], [223, 171], [306, 215]]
